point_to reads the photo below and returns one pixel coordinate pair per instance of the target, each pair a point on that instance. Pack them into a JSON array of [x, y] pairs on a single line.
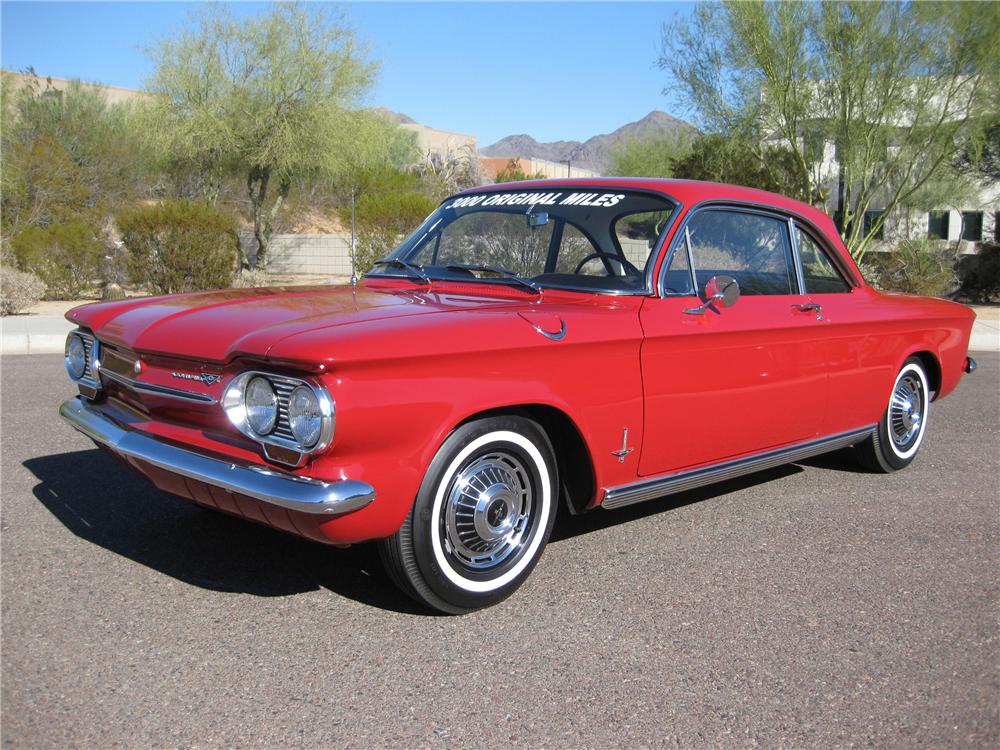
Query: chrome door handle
[[810, 307]]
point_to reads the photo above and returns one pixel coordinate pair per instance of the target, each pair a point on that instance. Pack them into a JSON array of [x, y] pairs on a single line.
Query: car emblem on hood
[[206, 377]]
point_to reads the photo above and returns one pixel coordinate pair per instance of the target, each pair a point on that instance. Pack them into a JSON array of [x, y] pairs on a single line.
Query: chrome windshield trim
[[158, 390], [292, 491], [650, 489]]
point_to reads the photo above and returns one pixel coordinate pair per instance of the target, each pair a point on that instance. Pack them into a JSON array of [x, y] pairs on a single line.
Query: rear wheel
[[895, 442], [481, 518]]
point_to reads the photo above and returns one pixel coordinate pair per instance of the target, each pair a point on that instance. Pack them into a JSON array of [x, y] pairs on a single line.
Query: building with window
[[972, 221]]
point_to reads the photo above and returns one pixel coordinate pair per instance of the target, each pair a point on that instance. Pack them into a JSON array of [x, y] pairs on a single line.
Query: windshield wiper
[[413, 268], [497, 270]]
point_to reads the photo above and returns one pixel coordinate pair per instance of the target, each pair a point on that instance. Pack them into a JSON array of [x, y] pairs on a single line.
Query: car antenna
[[354, 243]]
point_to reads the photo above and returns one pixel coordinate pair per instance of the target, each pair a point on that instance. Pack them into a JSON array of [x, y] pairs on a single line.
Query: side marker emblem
[[625, 449]]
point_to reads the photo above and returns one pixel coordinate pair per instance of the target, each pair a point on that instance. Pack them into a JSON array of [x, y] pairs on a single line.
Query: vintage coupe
[[531, 346]]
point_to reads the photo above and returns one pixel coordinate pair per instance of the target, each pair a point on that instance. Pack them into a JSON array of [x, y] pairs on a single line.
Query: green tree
[[67, 155], [267, 97], [886, 90], [514, 172], [651, 156], [717, 158]]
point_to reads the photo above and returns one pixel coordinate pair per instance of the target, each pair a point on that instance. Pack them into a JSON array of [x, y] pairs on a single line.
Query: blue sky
[[552, 70]]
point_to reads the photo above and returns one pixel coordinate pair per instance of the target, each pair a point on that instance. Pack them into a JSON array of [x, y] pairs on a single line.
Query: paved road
[[811, 606]]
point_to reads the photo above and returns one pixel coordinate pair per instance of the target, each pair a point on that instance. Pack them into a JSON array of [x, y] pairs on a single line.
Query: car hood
[[218, 326]]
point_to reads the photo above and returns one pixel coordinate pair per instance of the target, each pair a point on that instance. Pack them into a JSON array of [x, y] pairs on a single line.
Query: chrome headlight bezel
[[75, 354], [92, 352], [234, 404]]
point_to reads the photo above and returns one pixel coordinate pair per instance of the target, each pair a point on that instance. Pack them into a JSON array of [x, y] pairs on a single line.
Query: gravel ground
[[809, 606]]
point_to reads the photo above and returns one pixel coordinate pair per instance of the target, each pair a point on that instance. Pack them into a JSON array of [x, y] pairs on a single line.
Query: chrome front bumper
[[275, 487]]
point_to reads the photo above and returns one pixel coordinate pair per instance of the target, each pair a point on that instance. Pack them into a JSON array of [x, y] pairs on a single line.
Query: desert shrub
[[19, 290], [178, 246], [914, 267], [249, 278], [980, 274], [68, 257], [384, 217]]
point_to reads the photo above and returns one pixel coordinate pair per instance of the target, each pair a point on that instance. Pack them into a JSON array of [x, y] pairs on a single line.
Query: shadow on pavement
[[101, 501], [568, 526]]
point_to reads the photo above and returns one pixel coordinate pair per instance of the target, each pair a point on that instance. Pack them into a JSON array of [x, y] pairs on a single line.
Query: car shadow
[[568, 526], [100, 501], [841, 460]]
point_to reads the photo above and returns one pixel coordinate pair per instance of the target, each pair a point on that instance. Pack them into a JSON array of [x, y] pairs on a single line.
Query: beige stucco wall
[[115, 94]]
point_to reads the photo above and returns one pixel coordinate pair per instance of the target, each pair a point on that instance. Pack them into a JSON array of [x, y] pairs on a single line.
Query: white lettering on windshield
[[594, 200], [607, 200]]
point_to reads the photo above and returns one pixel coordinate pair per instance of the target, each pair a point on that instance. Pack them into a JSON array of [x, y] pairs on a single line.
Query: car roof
[[687, 192]]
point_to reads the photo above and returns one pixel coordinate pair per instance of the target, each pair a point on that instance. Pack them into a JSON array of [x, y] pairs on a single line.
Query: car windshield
[[585, 238]]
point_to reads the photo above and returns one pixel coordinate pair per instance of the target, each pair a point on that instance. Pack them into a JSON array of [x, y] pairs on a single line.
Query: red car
[[531, 346]]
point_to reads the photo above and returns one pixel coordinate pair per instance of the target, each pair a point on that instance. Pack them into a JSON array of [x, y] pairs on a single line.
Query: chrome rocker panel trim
[[650, 489], [290, 491]]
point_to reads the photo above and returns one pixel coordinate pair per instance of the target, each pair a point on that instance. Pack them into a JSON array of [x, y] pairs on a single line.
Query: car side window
[[752, 248], [818, 271]]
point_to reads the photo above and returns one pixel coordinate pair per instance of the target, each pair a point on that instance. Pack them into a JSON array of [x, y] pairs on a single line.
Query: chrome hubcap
[[906, 411], [488, 511]]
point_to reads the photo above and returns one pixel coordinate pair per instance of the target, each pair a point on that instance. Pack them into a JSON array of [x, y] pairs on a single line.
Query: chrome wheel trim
[[908, 410], [462, 578], [488, 511]]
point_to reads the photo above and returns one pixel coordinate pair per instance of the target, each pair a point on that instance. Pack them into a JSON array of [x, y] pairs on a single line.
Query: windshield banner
[[596, 200]]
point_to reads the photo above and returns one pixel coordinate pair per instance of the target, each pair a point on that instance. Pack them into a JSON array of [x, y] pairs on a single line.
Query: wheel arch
[[573, 458], [931, 365]]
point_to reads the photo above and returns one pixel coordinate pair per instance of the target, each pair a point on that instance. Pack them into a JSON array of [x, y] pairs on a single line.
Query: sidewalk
[[46, 333]]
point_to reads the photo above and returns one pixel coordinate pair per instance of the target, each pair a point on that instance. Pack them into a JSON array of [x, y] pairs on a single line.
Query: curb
[[38, 334]]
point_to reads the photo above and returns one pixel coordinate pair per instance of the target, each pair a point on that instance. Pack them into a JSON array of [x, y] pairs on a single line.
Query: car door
[[720, 383], [858, 365]]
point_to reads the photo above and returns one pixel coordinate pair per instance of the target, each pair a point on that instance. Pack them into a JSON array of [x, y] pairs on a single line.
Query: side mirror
[[538, 219], [722, 289], [718, 289]]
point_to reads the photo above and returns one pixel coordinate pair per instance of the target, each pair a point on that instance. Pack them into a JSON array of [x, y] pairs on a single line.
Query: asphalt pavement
[[813, 605]]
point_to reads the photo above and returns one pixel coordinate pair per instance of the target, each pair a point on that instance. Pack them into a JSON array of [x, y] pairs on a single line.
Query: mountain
[[397, 117], [593, 152]]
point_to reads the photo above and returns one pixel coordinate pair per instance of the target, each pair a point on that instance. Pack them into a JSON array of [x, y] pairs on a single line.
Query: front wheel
[[481, 518], [895, 442]]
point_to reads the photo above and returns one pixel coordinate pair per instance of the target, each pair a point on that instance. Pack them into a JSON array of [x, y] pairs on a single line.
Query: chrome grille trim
[[92, 348], [158, 390]]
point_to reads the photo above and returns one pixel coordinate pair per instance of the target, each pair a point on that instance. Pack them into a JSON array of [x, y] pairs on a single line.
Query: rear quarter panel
[[872, 334]]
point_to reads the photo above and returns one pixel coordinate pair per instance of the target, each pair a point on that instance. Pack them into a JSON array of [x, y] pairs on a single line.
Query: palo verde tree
[[872, 99], [651, 155], [266, 97], [68, 154]]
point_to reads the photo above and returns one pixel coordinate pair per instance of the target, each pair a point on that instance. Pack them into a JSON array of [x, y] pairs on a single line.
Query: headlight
[[262, 406], [290, 417], [304, 416], [76, 356]]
